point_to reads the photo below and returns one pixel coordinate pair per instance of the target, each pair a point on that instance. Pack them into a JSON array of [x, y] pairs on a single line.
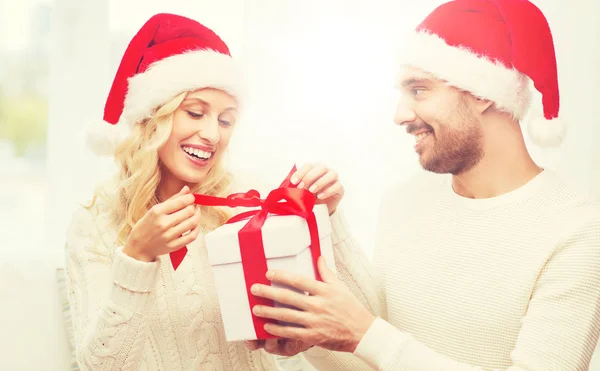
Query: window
[[24, 77]]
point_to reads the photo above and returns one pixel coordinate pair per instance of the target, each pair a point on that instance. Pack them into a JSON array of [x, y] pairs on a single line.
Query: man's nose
[[404, 113]]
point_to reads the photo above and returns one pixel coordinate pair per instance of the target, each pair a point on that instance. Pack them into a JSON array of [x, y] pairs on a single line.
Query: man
[[495, 265]]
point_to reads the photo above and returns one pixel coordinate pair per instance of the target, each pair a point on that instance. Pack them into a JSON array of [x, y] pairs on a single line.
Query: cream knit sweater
[[133, 315], [506, 283]]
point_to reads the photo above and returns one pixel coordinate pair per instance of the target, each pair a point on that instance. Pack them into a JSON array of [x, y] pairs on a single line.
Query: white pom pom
[[103, 138], [547, 133]]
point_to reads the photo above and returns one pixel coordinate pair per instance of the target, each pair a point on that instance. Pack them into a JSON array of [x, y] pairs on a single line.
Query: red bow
[[285, 200]]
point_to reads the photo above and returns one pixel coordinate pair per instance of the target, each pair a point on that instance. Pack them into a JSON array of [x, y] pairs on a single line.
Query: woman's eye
[[225, 123], [417, 91], [194, 115]]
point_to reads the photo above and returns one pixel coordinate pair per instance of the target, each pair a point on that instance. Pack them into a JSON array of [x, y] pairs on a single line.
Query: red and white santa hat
[[170, 54], [493, 49]]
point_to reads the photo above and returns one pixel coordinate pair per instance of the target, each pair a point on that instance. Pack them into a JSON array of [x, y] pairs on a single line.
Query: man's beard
[[452, 151]]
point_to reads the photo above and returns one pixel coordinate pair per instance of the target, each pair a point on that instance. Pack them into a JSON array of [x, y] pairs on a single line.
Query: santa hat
[[492, 49], [170, 54]]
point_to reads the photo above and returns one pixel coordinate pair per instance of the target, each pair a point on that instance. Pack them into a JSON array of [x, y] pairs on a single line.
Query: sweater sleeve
[[356, 272], [108, 295], [559, 331]]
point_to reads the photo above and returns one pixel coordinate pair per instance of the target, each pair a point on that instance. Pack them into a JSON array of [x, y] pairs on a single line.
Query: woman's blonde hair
[[132, 192]]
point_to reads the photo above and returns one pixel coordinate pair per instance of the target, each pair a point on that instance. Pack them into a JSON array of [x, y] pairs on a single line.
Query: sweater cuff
[[339, 227], [381, 344], [132, 274], [317, 352]]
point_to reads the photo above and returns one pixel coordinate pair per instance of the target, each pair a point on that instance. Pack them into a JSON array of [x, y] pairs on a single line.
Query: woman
[[173, 107]]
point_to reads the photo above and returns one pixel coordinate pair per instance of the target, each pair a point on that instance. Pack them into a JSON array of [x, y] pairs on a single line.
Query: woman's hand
[[321, 181], [165, 228]]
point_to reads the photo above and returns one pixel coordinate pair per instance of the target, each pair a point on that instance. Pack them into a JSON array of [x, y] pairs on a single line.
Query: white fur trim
[[170, 76], [460, 67], [103, 138], [547, 133]]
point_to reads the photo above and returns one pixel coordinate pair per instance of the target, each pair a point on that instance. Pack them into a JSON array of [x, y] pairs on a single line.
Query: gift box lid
[[283, 235]]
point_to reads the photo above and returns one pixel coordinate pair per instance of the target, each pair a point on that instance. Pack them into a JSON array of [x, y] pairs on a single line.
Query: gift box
[[287, 246], [287, 232]]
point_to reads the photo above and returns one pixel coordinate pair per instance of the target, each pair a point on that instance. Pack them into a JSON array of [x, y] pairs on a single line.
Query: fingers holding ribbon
[[321, 181]]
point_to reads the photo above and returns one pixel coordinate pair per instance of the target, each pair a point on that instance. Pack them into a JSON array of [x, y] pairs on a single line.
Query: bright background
[[321, 78]]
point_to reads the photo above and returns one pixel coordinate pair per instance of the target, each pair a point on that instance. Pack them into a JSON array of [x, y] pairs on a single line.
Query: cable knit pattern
[[133, 275], [132, 315], [506, 283]]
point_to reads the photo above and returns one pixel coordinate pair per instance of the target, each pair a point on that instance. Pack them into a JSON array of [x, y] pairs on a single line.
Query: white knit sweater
[[133, 315], [506, 283]]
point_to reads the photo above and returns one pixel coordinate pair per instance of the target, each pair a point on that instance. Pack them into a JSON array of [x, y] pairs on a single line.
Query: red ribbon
[[285, 200]]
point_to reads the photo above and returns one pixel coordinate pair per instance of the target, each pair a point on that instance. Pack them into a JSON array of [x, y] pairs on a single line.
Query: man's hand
[[331, 316], [281, 347]]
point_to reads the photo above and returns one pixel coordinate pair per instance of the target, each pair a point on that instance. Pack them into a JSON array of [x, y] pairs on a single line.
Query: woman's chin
[[194, 180], [194, 177], [191, 174]]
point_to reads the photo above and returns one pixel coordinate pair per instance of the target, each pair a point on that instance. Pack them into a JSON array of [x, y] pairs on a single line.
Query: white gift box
[[286, 241]]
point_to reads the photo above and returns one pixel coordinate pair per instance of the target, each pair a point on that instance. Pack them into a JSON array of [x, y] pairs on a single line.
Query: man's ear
[[483, 105]]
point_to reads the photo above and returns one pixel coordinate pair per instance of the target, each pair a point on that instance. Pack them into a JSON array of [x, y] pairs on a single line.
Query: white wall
[[576, 30], [32, 336], [321, 77], [594, 45]]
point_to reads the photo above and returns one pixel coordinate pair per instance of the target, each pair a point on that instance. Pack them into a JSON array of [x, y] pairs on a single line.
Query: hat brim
[[460, 67], [173, 75]]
